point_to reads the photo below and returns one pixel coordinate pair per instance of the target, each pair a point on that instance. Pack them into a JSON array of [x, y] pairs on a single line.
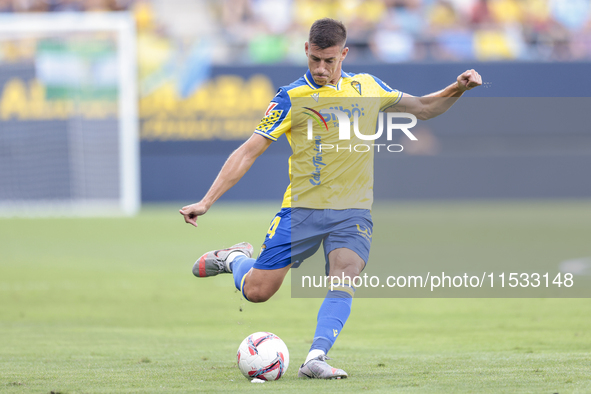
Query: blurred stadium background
[[207, 69], [105, 105], [271, 31]]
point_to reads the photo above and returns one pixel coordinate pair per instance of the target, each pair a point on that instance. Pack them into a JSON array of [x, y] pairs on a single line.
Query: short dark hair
[[326, 33]]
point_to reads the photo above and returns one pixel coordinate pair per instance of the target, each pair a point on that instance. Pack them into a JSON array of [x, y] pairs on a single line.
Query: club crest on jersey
[[357, 86], [315, 96]]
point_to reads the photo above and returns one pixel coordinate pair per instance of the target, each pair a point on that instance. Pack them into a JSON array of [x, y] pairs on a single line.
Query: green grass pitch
[[110, 306]]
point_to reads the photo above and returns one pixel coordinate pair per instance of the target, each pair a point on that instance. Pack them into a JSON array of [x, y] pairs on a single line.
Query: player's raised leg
[[220, 261], [257, 285], [333, 314], [257, 279]]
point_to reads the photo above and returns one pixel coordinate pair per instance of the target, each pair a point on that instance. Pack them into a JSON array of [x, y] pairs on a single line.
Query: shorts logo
[[364, 231], [334, 332]]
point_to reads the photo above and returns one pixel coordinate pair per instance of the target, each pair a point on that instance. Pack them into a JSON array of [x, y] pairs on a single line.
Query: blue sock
[[333, 314], [240, 267]]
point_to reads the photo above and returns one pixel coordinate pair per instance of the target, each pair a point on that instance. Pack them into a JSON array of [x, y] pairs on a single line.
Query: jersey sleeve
[[277, 119], [388, 96]]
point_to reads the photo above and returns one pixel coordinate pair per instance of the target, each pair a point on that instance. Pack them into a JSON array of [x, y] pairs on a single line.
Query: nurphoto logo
[[343, 118]]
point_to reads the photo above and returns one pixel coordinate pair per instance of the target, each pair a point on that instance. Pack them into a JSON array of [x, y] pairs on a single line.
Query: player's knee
[[257, 295], [345, 262], [348, 270], [257, 292], [353, 271], [261, 285]]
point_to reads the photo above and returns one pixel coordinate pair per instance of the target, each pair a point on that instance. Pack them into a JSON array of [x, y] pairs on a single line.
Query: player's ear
[[344, 53], [306, 46]]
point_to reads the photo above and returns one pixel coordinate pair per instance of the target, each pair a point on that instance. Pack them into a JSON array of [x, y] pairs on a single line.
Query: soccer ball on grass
[[263, 355]]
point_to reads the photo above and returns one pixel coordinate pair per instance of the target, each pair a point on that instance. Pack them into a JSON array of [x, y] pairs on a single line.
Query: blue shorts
[[296, 234]]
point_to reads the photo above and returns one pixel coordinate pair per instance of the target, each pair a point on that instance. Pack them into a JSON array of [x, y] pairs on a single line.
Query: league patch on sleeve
[[270, 119], [270, 108]]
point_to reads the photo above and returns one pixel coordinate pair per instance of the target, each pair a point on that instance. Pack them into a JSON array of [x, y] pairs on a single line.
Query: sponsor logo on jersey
[[315, 176], [318, 118]]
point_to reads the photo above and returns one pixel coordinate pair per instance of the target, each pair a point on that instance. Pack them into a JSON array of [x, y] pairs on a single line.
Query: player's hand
[[469, 80], [192, 212]]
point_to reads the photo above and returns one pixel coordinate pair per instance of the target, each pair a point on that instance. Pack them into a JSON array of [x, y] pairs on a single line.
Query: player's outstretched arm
[[436, 103], [233, 170]]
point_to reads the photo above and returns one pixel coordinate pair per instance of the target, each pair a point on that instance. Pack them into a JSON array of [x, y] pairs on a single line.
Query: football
[[263, 355]]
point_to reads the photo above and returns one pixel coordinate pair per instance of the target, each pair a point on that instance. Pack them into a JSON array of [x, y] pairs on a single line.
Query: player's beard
[[322, 78]]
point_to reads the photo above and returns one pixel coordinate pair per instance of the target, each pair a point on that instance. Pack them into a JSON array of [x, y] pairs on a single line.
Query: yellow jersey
[[326, 171]]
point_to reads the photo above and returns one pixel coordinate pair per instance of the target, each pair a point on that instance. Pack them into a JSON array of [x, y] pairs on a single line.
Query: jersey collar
[[314, 85]]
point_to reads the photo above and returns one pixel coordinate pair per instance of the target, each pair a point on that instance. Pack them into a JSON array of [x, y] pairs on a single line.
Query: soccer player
[[328, 201]]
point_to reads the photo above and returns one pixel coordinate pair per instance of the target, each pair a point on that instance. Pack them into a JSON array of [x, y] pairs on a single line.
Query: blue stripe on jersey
[[382, 84], [387, 88], [310, 80], [282, 102], [270, 122], [282, 99], [296, 84], [265, 135]]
